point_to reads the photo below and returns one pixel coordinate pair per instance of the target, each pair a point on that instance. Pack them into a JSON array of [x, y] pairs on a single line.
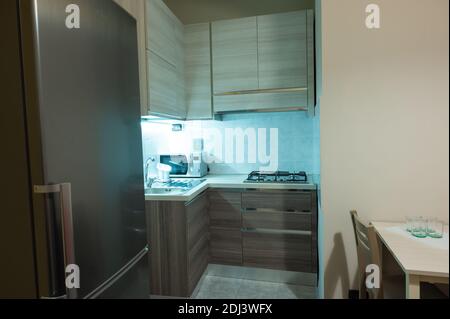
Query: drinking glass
[[435, 228], [419, 227], [409, 223]]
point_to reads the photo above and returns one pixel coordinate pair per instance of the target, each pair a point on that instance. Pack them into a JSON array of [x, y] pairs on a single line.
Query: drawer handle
[[277, 211], [276, 231]]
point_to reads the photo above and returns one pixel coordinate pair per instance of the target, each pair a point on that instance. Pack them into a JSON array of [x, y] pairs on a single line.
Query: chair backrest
[[368, 249]]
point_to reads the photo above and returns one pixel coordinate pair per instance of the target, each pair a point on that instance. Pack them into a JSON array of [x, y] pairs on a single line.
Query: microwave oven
[[183, 166]]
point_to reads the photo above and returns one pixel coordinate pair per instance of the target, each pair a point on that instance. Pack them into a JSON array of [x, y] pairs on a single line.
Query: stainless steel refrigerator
[[72, 188]]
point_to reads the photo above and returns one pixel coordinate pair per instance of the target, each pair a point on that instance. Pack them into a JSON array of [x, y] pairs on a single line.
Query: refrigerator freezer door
[[129, 283], [88, 105]]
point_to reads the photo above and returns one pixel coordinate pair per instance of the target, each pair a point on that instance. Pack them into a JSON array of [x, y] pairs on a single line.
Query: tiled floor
[[228, 288]]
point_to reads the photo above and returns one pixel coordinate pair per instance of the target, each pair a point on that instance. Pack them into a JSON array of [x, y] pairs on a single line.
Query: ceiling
[[197, 11]]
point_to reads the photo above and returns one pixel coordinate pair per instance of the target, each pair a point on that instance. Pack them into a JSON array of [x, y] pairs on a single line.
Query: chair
[[369, 252]]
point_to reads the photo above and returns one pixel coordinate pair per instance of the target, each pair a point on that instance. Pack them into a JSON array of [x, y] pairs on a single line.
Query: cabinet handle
[[258, 91], [276, 231], [271, 210]]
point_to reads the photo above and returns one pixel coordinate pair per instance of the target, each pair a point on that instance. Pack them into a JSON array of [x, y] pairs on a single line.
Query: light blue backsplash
[[298, 140]]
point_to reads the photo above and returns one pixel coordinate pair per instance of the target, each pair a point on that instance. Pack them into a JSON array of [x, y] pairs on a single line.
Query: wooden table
[[422, 259]]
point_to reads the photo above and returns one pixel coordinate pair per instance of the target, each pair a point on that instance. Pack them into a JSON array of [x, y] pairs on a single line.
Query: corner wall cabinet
[[165, 59]]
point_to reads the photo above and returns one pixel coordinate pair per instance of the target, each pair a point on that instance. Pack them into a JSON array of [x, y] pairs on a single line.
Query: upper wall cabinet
[[282, 50], [264, 63], [165, 61], [235, 55], [174, 62], [163, 95], [161, 34], [197, 68]]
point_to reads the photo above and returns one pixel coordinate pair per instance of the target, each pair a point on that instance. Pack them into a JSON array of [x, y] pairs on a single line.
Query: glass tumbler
[[419, 227], [409, 223], [435, 228]]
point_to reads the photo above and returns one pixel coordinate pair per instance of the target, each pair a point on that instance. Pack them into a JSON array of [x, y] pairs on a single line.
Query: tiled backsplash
[[298, 146]]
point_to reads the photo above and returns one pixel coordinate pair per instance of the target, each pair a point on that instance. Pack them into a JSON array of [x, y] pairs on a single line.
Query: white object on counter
[[163, 173]]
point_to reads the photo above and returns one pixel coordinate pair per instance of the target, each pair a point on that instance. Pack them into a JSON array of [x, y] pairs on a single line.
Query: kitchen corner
[[231, 146], [261, 227]]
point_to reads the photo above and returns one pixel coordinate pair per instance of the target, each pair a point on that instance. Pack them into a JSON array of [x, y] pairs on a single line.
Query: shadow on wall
[[337, 268]]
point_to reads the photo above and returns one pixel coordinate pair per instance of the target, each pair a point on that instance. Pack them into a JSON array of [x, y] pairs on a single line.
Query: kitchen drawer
[[225, 246], [270, 219], [282, 251], [229, 197], [297, 201]]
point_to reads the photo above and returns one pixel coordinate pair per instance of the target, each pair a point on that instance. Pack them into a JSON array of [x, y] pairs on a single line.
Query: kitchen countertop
[[231, 181]]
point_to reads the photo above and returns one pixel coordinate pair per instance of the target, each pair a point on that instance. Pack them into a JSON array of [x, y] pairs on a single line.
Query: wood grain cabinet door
[[197, 240], [225, 246], [225, 227], [165, 61], [162, 80], [225, 209], [197, 65], [235, 56], [282, 50], [161, 37]]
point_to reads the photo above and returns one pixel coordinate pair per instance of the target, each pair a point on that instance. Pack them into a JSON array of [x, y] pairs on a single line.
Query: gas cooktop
[[277, 177]]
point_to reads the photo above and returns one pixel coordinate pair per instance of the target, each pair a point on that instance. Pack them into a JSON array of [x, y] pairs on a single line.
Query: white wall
[[384, 121]]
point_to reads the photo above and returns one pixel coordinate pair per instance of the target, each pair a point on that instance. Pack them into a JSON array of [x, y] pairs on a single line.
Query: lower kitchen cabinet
[[280, 230], [271, 229], [178, 235], [225, 231], [267, 229]]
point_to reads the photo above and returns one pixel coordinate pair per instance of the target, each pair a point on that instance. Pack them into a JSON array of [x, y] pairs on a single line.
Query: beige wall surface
[[384, 121]]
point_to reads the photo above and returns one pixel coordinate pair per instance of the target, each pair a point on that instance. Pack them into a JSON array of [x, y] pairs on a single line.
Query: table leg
[[412, 287]]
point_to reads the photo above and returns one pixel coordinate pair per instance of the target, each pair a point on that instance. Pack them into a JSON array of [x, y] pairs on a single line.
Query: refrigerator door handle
[[65, 198]]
